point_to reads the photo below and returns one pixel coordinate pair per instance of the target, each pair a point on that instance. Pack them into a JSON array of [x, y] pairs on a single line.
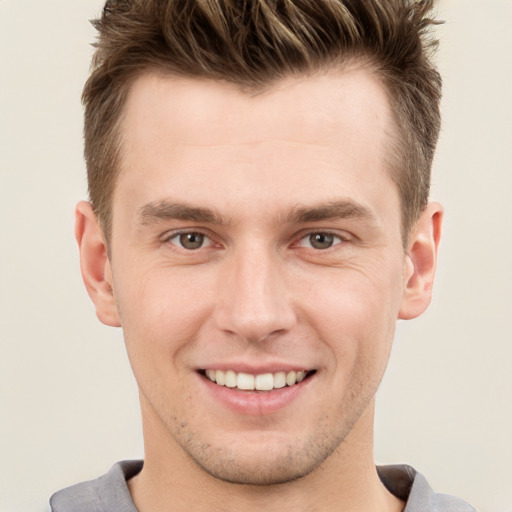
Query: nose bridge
[[255, 301]]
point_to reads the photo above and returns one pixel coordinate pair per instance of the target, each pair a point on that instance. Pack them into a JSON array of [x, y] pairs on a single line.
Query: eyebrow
[[166, 210], [163, 210], [340, 209]]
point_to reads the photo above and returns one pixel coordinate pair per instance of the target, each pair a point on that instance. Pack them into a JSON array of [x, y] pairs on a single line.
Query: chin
[[276, 463], [280, 470]]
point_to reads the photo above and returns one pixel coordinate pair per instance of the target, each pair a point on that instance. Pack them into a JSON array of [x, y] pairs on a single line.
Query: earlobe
[[421, 261], [95, 264]]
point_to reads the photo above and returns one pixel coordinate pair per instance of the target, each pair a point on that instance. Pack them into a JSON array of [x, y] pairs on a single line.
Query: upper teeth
[[261, 382]]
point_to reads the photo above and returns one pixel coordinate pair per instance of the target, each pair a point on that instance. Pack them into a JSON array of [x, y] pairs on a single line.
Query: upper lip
[[256, 369]]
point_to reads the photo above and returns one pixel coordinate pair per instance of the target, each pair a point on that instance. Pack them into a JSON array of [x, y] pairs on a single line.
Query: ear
[[95, 264], [421, 261]]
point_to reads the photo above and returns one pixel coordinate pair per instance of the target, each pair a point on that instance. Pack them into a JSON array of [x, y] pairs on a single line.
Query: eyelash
[[337, 239], [303, 238], [169, 237]]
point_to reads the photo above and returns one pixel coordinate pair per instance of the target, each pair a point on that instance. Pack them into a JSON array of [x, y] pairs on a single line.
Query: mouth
[[260, 382]]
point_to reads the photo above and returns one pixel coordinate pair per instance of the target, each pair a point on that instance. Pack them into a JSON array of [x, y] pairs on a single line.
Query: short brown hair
[[253, 43]]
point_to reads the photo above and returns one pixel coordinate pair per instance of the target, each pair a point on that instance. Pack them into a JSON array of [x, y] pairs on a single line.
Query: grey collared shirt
[[109, 493]]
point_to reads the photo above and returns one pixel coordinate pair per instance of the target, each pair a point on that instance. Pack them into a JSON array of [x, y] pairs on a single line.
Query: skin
[[257, 176]]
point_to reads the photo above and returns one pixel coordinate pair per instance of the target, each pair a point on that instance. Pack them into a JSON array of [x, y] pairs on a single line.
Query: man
[[259, 220]]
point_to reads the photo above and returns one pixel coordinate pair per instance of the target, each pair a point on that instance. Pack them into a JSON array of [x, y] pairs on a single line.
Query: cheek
[[161, 313], [354, 313]]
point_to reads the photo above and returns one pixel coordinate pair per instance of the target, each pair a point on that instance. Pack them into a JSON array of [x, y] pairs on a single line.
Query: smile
[[260, 382]]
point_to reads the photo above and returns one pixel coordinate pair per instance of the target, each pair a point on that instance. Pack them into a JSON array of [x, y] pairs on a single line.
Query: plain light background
[[68, 402]]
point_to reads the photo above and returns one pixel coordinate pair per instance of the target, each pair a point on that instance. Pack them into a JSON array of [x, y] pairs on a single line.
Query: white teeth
[[279, 380], [264, 382], [291, 378], [231, 379], [220, 378], [244, 381], [261, 382]]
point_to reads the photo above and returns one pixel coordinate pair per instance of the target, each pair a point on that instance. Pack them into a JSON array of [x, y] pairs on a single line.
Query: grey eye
[[320, 240], [191, 241]]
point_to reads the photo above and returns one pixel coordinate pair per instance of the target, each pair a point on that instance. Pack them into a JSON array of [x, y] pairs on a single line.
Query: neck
[[347, 480]]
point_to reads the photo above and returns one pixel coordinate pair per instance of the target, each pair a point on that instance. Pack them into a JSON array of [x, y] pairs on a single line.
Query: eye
[[320, 240], [191, 240]]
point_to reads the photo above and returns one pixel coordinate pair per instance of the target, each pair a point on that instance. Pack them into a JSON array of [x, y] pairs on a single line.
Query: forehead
[[315, 138], [311, 109]]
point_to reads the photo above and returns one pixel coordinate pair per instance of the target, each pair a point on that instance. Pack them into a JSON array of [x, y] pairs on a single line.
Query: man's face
[[257, 241]]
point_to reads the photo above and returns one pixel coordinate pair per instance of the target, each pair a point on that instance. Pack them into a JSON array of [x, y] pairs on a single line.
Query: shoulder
[[106, 493], [412, 487]]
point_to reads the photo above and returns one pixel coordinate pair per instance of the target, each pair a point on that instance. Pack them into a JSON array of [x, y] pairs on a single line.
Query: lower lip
[[256, 403]]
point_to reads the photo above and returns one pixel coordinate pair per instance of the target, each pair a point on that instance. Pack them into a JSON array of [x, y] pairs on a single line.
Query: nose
[[254, 303]]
